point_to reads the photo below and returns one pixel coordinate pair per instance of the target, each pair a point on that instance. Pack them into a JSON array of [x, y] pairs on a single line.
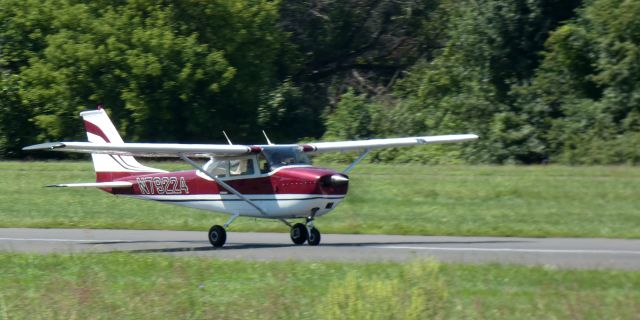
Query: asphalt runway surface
[[578, 253]]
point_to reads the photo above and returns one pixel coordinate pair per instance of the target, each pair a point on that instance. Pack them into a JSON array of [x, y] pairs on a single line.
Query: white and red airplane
[[270, 181]]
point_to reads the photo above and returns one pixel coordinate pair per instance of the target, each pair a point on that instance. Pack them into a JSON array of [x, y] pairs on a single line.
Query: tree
[[167, 72], [468, 86], [359, 44], [589, 85], [15, 128]]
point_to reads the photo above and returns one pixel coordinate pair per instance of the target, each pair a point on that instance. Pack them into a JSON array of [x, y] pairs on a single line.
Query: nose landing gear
[[301, 233], [314, 237]]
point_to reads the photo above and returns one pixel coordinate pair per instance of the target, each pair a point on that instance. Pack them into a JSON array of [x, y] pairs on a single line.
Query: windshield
[[285, 156]]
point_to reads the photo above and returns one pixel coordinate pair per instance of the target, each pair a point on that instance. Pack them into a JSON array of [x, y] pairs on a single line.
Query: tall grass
[[418, 293], [147, 286]]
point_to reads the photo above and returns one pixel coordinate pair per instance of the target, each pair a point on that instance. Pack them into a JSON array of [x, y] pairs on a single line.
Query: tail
[[109, 167]]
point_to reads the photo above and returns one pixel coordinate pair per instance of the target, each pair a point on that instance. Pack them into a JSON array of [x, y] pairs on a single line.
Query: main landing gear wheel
[[314, 237], [217, 236], [299, 233]]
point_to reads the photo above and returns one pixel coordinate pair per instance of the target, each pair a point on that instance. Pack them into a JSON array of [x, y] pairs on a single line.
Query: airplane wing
[[148, 149], [385, 143], [224, 150]]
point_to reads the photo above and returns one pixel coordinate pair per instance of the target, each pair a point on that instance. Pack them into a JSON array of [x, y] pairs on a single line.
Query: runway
[[578, 253]]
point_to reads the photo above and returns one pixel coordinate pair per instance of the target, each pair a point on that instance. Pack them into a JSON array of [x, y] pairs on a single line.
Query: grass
[[412, 199], [148, 286]]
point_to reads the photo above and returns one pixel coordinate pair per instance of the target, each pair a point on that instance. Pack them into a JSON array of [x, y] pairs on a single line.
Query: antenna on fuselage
[[226, 136], [265, 136]]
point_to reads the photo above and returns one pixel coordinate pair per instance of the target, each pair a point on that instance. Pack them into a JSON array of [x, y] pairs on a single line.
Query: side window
[[241, 167], [263, 164], [218, 168], [249, 167]]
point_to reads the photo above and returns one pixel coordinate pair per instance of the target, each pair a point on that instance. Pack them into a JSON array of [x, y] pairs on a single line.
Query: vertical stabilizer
[[108, 167]]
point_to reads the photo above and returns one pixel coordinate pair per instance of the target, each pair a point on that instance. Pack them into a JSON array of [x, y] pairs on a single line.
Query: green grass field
[[440, 200], [410, 199], [147, 286]]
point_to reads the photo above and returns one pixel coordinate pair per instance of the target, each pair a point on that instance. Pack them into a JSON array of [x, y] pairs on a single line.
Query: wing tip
[[44, 146]]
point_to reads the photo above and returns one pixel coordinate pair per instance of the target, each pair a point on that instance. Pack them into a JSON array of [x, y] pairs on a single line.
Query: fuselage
[[294, 191]]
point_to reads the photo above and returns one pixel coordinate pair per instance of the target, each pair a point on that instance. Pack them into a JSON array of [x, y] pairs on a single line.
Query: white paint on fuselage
[[276, 206]]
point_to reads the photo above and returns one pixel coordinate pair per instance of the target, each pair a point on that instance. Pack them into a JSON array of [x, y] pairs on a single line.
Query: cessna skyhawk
[[273, 181]]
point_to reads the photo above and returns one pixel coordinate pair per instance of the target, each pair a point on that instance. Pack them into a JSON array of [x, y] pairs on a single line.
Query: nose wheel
[[314, 237], [301, 233]]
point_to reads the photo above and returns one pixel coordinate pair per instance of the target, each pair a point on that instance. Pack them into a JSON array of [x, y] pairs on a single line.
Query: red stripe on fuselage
[[123, 176], [284, 181]]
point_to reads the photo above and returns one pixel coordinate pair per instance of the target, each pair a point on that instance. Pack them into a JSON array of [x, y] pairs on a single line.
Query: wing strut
[[356, 161], [223, 184]]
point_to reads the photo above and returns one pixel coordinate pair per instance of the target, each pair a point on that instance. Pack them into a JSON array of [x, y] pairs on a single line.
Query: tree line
[[539, 80]]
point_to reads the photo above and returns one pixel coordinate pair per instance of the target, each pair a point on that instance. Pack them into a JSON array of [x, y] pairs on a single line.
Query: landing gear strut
[[218, 234]]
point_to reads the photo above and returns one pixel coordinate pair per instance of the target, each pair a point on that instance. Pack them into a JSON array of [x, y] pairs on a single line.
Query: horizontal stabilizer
[[111, 184]]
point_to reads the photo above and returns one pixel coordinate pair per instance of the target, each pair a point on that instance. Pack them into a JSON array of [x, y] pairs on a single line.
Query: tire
[[217, 236], [299, 234], [314, 237]]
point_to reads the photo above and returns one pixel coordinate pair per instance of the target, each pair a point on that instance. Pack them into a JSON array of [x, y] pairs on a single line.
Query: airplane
[[272, 181]]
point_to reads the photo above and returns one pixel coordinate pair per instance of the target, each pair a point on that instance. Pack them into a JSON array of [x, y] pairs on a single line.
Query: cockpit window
[[241, 167], [236, 167], [218, 168], [285, 156]]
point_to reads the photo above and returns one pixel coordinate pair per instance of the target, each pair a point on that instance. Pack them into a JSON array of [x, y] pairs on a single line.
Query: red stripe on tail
[[93, 129]]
